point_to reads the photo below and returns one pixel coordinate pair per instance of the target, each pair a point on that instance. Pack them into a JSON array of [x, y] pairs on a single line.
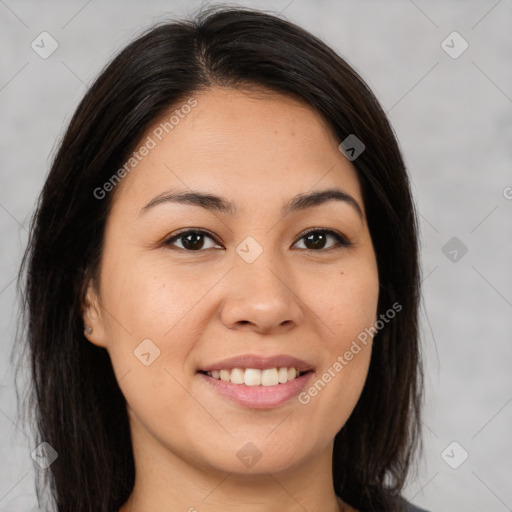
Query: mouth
[[255, 376], [257, 382]]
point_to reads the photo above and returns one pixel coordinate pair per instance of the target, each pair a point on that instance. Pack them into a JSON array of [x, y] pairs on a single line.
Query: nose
[[261, 297]]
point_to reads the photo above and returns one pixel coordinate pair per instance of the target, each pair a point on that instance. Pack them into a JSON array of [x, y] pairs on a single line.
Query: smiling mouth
[[255, 376]]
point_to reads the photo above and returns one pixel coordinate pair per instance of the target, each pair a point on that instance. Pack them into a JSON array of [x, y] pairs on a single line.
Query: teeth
[[237, 376], [255, 377], [270, 377], [282, 375], [252, 377]]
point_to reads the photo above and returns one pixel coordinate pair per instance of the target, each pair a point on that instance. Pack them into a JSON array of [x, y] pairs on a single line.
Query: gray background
[[453, 118]]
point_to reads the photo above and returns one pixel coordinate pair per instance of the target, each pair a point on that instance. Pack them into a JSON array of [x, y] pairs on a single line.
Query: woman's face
[[257, 287]]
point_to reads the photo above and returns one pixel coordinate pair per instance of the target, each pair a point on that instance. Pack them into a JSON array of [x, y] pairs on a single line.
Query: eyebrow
[[219, 204]]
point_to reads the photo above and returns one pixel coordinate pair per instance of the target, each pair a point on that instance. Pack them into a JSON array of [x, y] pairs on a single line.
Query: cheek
[[346, 302], [347, 308], [149, 298]]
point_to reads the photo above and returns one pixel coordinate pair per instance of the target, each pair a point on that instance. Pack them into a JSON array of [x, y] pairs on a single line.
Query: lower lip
[[258, 397]]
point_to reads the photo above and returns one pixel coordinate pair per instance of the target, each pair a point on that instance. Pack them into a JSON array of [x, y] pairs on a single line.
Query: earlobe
[[94, 329]]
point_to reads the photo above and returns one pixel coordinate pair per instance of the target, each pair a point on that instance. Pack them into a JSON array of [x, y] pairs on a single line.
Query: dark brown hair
[[75, 401]]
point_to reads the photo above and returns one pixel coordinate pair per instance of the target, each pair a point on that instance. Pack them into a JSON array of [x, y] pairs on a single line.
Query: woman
[[221, 283]]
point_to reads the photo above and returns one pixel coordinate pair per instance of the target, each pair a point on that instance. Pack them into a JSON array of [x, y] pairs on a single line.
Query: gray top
[[410, 507]]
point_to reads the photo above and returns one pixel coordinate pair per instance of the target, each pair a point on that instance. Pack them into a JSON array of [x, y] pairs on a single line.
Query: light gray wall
[[453, 118]]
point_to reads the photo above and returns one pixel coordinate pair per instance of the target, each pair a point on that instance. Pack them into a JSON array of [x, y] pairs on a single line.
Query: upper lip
[[258, 362]]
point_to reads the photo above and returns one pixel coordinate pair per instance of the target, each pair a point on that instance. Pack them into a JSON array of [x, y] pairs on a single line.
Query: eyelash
[[341, 240]]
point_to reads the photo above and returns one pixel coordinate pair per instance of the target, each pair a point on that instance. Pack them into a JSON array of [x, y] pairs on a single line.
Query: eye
[[193, 240], [315, 239]]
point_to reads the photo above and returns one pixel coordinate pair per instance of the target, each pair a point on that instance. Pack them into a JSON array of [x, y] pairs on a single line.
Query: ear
[[94, 327]]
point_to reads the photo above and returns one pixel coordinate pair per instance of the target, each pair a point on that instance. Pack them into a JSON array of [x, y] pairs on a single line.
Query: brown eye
[[315, 240], [192, 240]]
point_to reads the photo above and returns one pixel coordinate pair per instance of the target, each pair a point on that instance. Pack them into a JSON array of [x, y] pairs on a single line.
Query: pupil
[[317, 244], [195, 237]]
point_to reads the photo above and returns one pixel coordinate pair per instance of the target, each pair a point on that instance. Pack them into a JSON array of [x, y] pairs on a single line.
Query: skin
[[198, 307]]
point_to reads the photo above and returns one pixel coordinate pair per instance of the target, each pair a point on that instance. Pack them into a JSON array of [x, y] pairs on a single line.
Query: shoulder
[[409, 507]]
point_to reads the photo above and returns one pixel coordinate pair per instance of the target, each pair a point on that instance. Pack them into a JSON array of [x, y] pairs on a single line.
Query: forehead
[[252, 145]]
